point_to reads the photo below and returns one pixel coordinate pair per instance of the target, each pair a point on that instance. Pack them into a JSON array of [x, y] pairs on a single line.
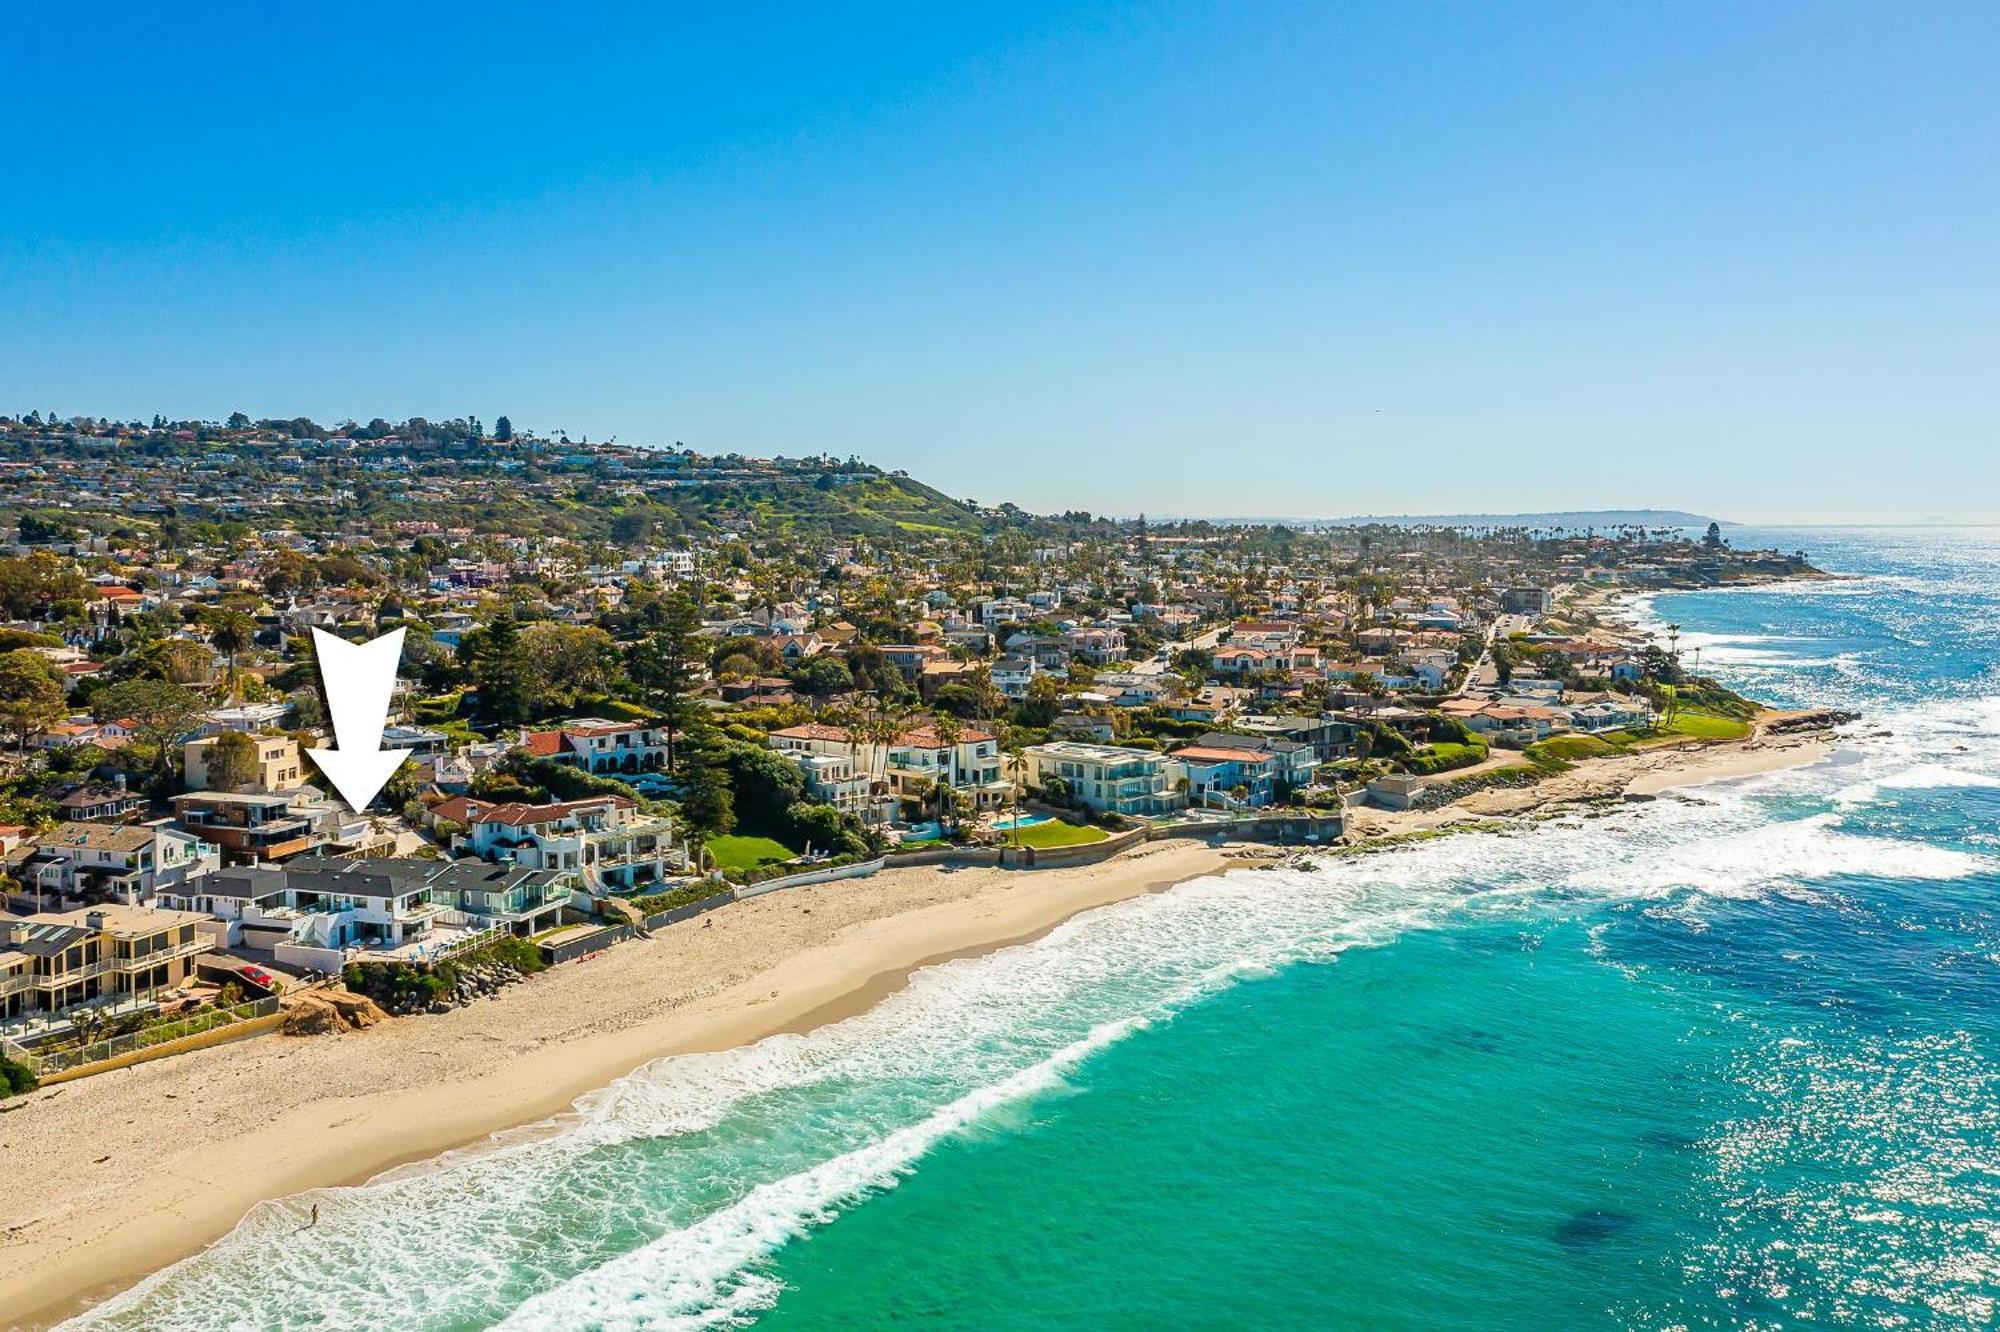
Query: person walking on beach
[[315, 1217]]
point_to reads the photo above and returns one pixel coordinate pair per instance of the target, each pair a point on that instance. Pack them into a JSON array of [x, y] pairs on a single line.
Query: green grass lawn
[[1706, 726], [747, 853], [1571, 747], [1055, 834], [1444, 756]]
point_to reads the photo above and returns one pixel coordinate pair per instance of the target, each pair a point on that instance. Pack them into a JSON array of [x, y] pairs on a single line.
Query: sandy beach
[[115, 1176]]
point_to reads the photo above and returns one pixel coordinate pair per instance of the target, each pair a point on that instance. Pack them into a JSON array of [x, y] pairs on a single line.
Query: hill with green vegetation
[[875, 504]]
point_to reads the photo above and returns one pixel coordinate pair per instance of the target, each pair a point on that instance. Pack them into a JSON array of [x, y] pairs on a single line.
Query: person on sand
[[315, 1216]]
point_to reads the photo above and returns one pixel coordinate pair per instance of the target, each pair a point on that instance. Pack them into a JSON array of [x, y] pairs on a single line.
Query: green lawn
[[747, 853], [1706, 726], [1055, 834], [1443, 756], [1570, 747]]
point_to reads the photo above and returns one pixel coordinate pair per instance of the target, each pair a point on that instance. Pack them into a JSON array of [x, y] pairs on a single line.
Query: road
[[1484, 675], [1204, 641]]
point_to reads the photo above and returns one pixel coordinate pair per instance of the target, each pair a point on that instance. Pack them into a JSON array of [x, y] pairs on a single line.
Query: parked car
[[260, 978]]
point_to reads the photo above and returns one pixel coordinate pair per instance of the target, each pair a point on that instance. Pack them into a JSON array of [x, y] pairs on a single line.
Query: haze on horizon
[[1303, 260]]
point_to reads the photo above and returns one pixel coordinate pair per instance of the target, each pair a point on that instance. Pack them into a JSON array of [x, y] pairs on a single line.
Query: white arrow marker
[[358, 682]]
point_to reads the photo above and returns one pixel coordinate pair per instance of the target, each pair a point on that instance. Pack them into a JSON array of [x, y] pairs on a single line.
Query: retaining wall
[[570, 947], [201, 1040], [860, 869], [672, 915]]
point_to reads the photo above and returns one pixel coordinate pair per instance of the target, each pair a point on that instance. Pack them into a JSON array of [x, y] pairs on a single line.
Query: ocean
[[1730, 1059]]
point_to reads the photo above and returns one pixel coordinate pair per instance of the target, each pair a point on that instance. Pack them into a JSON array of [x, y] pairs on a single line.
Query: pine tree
[[500, 669], [664, 664]]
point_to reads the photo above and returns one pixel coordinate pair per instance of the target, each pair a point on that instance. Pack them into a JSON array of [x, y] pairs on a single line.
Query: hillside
[[847, 503]]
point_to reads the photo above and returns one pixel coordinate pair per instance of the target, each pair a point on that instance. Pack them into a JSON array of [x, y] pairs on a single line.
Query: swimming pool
[[1010, 821]]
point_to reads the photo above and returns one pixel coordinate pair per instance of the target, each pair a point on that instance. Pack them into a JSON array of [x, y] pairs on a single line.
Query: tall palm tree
[[948, 729], [231, 634]]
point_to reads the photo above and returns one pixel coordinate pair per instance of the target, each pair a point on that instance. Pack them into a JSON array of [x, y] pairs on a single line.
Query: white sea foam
[[1923, 777], [705, 1264]]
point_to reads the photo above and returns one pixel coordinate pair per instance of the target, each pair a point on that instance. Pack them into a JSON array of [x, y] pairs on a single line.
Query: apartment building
[[278, 766]]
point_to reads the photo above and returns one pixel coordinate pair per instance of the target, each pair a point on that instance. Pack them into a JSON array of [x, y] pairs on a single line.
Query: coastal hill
[[86, 473], [1569, 519]]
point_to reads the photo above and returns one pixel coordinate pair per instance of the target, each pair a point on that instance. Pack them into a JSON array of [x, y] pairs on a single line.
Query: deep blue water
[[1729, 1060]]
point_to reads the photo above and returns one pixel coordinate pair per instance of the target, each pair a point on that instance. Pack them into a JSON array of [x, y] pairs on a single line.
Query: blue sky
[[1181, 258]]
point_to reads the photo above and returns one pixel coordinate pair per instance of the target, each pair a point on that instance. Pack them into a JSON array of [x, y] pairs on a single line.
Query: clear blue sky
[[1212, 258]]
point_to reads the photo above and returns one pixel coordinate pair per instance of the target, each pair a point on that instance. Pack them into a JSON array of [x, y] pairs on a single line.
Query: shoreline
[[333, 1111], [363, 1104]]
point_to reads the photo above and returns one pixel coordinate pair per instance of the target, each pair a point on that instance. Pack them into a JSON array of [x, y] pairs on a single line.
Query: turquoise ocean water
[[1727, 1060]]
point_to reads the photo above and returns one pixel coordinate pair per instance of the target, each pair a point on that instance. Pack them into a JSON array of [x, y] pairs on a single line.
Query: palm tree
[[947, 729], [1011, 738], [231, 634]]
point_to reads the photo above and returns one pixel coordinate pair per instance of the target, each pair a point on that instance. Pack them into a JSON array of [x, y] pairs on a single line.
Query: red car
[[260, 978]]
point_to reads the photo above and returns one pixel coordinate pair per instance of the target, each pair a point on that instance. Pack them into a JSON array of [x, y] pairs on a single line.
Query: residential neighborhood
[[649, 675]]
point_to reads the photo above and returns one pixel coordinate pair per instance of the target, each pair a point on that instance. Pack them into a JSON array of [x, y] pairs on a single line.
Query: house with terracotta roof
[[599, 746], [915, 761], [601, 844], [1217, 772]]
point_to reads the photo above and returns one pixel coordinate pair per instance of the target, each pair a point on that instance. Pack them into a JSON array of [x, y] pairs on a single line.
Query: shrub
[[16, 1078], [687, 895]]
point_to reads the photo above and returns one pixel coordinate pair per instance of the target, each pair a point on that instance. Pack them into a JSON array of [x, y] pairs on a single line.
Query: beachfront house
[[113, 954], [302, 910], [914, 762], [1219, 775], [601, 844], [1108, 779], [82, 864]]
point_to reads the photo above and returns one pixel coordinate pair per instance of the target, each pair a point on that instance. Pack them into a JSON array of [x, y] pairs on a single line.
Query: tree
[[1713, 538], [232, 761], [503, 429], [765, 785], [566, 662], [161, 713], [231, 633], [37, 580], [1043, 703], [708, 806], [965, 701], [175, 660], [31, 693], [500, 669], [290, 574], [823, 676], [665, 664]]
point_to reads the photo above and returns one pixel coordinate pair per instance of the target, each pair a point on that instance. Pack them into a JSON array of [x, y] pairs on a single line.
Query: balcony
[[159, 955]]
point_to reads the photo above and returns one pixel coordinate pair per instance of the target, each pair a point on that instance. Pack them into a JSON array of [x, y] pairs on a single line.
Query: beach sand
[[112, 1177]]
